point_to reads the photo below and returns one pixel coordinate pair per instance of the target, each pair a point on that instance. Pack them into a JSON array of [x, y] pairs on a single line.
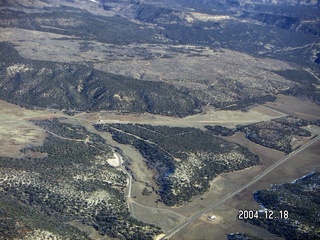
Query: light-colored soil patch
[[207, 218], [294, 106], [114, 161], [195, 16], [298, 141], [315, 130], [39, 234], [17, 135], [159, 236]]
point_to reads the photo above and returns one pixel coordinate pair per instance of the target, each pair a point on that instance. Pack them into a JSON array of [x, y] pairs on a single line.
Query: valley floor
[[146, 208]]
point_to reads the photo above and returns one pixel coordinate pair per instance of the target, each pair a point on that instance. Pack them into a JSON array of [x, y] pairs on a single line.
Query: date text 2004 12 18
[[262, 214]]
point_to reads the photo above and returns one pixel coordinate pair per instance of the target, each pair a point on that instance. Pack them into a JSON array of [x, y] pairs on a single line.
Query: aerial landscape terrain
[[159, 119]]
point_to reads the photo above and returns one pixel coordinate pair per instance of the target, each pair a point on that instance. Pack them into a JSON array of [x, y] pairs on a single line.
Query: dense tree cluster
[[113, 30], [277, 133], [220, 131], [242, 236], [74, 132], [301, 199]]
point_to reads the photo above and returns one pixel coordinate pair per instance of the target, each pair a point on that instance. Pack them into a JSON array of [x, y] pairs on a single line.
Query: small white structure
[[212, 217]]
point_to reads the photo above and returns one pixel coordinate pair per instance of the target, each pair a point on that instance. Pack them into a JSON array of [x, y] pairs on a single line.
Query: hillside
[[68, 86], [301, 199], [195, 53]]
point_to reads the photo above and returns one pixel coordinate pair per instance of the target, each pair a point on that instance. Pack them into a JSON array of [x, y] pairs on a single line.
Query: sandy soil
[[114, 161]]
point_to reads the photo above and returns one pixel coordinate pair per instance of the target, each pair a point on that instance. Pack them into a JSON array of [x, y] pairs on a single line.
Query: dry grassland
[[17, 135], [160, 217], [10, 112], [294, 106], [228, 223]]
